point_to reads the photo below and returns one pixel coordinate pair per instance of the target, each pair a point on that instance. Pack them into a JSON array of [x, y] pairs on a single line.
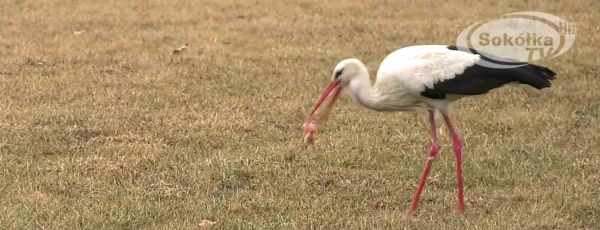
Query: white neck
[[360, 87]]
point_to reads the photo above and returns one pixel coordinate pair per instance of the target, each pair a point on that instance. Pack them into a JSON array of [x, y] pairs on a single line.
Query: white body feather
[[405, 73], [417, 67]]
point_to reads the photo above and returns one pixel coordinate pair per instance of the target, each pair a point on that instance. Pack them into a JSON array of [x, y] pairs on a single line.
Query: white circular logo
[[518, 38]]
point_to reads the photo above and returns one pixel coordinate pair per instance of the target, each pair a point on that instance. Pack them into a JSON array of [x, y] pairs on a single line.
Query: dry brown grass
[[106, 129]]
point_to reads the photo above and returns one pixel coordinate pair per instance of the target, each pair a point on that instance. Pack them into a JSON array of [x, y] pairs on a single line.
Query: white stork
[[431, 76]]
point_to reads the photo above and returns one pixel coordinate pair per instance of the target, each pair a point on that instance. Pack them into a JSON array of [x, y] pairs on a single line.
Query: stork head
[[343, 74], [347, 70]]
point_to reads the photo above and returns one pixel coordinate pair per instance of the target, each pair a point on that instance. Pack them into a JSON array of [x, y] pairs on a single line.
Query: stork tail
[[536, 76]]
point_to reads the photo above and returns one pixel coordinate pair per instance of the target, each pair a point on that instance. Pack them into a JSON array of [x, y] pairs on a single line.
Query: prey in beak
[[320, 113]]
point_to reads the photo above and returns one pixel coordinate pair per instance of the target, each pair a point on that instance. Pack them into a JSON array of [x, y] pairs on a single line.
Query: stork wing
[[417, 68]]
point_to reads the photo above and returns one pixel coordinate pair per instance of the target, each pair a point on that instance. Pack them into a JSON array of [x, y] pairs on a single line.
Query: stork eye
[[338, 73]]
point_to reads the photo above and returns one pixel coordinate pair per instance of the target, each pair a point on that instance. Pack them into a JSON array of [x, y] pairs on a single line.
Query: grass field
[[106, 129]]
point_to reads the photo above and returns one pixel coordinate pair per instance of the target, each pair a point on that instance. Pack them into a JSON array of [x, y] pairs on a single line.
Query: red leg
[[432, 153], [459, 170]]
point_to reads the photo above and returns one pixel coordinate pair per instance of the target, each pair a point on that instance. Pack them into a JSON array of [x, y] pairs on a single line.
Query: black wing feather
[[477, 79]]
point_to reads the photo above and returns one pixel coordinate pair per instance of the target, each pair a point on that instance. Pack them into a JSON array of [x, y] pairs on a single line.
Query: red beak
[[331, 87], [311, 125]]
